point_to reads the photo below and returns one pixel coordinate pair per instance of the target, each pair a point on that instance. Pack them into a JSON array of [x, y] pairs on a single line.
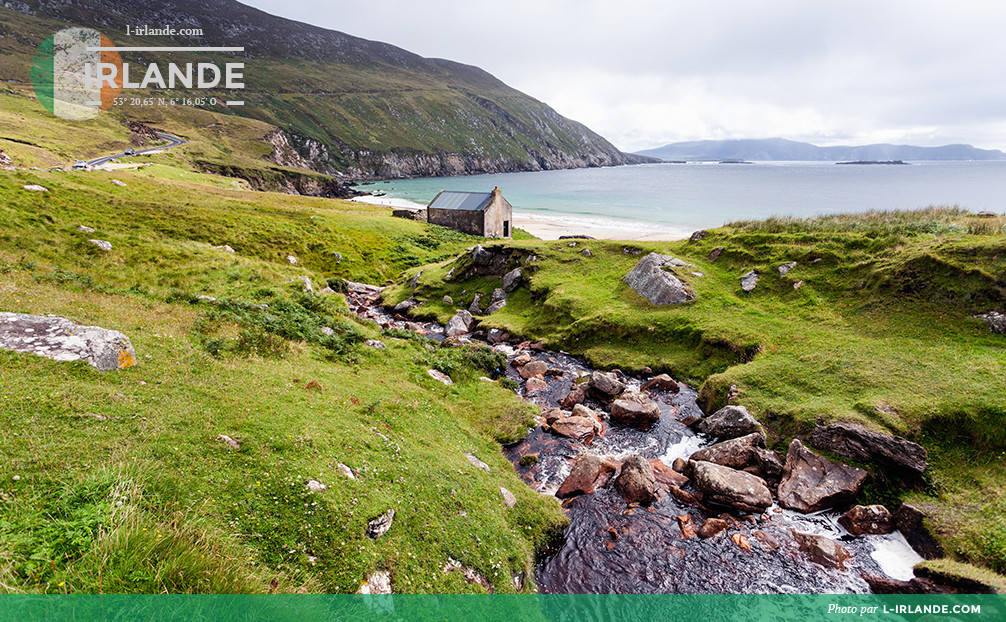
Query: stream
[[612, 547]]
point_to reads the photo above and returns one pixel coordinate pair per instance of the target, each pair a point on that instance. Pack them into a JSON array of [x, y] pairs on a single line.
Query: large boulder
[[60, 339], [768, 462], [459, 324], [735, 453], [867, 519], [858, 443], [533, 369], [636, 481], [728, 422], [811, 482], [589, 474], [605, 384], [726, 486], [633, 413], [649, 279]]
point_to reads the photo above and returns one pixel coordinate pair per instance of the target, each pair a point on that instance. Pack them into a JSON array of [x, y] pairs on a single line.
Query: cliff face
[[355, 107]]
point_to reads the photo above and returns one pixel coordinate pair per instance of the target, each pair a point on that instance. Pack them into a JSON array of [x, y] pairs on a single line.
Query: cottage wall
[[498, 217], [467, 221]]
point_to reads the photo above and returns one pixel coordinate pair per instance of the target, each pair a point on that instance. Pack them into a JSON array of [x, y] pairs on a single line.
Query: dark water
[[610, 547]]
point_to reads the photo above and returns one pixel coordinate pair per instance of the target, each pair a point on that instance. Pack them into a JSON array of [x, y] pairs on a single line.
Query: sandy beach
[[553, 227]]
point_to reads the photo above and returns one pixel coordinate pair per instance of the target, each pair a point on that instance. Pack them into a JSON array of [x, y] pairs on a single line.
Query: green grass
[[880, 332], [122, 485]]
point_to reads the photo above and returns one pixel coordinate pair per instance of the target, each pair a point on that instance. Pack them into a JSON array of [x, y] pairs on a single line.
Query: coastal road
[[173, 141]]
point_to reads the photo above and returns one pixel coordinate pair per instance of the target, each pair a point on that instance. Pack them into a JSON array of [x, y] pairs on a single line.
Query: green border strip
[[478, 608]]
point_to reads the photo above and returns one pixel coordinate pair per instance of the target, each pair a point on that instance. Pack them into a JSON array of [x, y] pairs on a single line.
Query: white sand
[[552, 227]]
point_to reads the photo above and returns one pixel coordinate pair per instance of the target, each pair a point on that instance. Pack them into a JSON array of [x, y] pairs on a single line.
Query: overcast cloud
[[644, 73]]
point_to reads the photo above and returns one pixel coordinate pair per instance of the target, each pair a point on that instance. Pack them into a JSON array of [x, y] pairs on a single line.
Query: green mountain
[[346, 105]]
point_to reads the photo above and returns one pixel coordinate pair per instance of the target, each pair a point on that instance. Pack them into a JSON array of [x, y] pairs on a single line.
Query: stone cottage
[[479, 213]]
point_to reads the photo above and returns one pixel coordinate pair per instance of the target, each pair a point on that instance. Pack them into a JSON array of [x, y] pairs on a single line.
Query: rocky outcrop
[[636, 481], [580, 429], [634, 413], [588, 475], [995, 320], [728, 422], [867, 519], [811, 482], [858, 443], [651, 281], [61, 340], [726, 486], [735, 453]]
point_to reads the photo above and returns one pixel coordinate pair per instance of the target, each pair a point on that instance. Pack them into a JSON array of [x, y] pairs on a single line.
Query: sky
[[644, 73]]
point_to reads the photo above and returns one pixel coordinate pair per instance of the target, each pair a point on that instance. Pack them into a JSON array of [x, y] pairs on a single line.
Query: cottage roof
[[468, 201]]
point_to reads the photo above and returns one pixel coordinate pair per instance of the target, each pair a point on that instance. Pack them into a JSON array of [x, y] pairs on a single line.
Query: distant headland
[[780, 149]]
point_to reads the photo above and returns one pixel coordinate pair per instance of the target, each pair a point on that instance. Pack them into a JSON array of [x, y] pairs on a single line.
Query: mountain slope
[[347, 104], [781, 149]]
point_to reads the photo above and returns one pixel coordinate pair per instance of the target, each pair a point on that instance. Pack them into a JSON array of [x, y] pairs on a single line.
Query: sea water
[[701, 195]]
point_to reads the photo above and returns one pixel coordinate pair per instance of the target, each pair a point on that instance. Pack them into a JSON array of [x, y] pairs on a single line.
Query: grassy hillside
[[880, 331], [117, 482], [350, 105]]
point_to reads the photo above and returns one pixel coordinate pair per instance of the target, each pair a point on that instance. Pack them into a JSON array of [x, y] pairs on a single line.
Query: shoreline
[[553, 227]]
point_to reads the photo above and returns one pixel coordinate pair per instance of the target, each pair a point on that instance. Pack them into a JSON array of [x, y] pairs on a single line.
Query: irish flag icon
[[73, 74]]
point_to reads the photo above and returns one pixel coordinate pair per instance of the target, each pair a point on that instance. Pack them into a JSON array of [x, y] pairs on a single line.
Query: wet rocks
[[407, 305], [380, 525], [459, 324], [640, 415], [995, 320], [605, 384], [822, 550], [636, 481], [533, 386], [663, 382], [687, 526], [651, 281], [768, 462], [665, 474], [533, 369], [749, 281], [735, 453], [726, 486], [867, 519], [728, 422], [576, 395], [711, 527], [580, 429], [61, 340], [811, 482], [858, 443], [588, 475], [511, 280]]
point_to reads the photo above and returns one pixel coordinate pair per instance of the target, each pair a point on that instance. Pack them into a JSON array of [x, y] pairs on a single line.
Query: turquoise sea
[[701, 195]]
